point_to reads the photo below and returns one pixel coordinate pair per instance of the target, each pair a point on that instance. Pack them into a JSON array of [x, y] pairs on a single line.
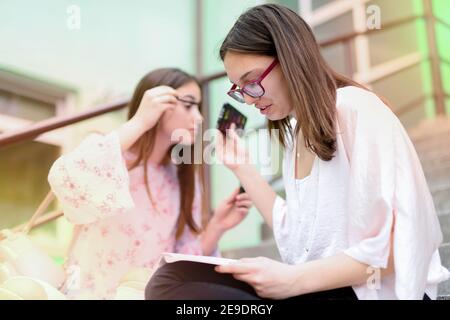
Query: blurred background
[[61, 59]]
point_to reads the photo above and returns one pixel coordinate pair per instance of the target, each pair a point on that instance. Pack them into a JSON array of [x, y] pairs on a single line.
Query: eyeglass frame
[[257, 81]]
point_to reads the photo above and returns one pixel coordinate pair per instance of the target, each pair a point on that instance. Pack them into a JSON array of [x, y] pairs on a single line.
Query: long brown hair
[[277, 31], [187, 173]]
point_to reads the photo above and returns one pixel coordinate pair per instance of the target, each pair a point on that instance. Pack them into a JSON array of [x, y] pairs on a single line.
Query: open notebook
[[168, 257]]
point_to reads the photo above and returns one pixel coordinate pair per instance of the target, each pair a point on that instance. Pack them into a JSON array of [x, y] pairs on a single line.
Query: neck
[[293, 115]]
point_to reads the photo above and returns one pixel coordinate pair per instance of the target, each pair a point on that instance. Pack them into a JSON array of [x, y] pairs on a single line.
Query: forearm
[[210, 238], [334, 272], [258, 189], [129, 133]]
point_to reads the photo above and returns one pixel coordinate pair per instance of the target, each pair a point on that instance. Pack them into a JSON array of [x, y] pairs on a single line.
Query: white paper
[[169, 257]]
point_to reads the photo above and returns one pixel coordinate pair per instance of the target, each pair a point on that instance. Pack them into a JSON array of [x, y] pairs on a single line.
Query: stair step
[[266, 232], [436, 168], [444, 287], [444, 221], [430, 128], [432, 146], [441, 201]]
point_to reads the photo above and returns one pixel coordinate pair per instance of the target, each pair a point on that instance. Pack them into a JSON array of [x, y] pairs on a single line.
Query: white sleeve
[[388, 195], [91, 182]]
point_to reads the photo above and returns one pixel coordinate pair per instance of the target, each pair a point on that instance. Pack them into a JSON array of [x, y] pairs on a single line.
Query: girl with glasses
[[358, 221]]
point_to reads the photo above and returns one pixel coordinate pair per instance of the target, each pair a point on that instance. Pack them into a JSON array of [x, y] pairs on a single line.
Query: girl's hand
[[231, 211], [270, 279], [229, 149], [228, 214], [154, 103]]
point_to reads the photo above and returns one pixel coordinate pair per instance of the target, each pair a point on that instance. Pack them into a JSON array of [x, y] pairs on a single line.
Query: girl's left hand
[[270, 279], [231, 211]]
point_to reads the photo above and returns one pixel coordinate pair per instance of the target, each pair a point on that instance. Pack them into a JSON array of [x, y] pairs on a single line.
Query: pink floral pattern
[[120, 228]]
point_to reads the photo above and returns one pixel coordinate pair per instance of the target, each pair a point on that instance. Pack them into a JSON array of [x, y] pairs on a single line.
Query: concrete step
[[436, 171], [438, 183], [429, 129], [432, 148], [444, 287], [431, 139], [266, 232], [441, 201], [444, 221]]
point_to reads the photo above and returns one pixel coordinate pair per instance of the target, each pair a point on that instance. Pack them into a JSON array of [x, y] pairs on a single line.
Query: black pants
[[185, 280]]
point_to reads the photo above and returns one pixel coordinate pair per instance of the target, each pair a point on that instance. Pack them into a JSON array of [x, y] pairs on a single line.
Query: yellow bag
[[19, 256], [26, 288]]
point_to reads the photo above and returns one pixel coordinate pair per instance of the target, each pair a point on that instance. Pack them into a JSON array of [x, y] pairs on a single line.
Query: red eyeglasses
[[253, 88]]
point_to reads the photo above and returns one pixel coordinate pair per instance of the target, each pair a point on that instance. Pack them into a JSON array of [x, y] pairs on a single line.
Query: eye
[[188, 103], [253, 89]]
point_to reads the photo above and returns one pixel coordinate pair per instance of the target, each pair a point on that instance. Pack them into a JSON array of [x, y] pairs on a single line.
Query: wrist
[[215, 228], [242, 169], [139, 126], [130, 132], [299, 280]]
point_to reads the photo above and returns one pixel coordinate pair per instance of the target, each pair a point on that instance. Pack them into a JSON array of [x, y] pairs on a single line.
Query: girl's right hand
[[230, 150], [154, 103]]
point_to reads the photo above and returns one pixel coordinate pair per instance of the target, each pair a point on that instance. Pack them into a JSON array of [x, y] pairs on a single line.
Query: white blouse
[[350, 204]]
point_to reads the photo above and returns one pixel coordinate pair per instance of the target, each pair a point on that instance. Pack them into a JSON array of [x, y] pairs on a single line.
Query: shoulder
[[358, 103]]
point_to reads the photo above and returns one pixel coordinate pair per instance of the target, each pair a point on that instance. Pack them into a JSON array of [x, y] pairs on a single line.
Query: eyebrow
[[245, 75], [189, 96], [192, 99]]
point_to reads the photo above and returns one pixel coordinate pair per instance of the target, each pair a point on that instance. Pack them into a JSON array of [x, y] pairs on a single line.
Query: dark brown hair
[[277, 31], [143, 147]]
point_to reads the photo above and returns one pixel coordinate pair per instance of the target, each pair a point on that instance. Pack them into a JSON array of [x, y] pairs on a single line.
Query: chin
[[274, 117]]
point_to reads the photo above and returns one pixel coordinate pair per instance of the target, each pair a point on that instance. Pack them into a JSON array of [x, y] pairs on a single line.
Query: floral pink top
[[117, 226]]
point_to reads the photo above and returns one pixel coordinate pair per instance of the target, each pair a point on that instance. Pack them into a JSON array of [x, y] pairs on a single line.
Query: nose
[[198, 118], [249, 100]]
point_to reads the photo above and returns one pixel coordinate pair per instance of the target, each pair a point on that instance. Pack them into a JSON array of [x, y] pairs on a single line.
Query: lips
[[265, 109]]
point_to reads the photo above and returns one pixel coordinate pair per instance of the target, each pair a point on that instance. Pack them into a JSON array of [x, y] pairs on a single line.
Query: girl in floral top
[[128, 201]]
